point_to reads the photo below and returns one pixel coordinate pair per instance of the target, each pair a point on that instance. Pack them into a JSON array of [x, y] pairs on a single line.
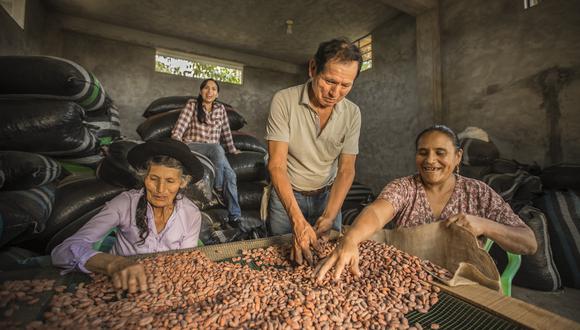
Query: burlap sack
[[453, 248]]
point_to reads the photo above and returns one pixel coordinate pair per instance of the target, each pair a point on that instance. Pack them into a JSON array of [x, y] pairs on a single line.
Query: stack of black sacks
[[52, 112], [547, 199]]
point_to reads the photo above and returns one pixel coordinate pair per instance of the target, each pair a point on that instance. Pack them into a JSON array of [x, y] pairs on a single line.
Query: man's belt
[[314, 192]]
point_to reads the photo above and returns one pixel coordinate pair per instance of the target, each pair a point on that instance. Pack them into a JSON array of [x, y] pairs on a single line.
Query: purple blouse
[[180, 232]]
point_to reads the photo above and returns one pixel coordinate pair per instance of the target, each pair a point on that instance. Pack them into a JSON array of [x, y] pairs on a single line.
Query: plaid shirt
[[189, 129]]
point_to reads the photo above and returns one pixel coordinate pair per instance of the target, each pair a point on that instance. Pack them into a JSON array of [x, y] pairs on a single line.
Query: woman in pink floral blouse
[[435, 193]]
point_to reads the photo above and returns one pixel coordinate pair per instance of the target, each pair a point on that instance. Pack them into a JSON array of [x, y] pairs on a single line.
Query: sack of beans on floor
[[478, 152], [48, 77], [561, 176], [250, 194], [248, 165], [24, 170], [105, 122], [24, 213], [562, 210], [248, 142], [70, 229], [75, 196], [358, 194], [201, 193], [165, 104], [48, 127], [115, 168]]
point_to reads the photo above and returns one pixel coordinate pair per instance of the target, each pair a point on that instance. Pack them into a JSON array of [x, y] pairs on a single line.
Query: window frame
[[364, 52]]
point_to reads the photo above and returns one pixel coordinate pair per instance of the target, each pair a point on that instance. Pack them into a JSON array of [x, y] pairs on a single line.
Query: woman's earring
[[457, 169]]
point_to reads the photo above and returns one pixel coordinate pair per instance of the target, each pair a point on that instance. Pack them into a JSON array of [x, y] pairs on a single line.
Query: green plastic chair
[[508, 274]]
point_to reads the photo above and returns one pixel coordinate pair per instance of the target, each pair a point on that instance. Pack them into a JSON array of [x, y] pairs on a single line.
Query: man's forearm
[[338, 193], [281, 184]]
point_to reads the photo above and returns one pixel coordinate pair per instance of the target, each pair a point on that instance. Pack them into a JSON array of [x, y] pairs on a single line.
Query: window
[[16, 9], [366, 49], [194, 66]]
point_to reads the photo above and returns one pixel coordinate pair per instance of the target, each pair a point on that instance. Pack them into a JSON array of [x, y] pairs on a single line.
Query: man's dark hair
[[340, 49]]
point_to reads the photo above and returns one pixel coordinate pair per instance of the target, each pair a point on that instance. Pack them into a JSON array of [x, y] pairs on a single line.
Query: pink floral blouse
[[470, 196]]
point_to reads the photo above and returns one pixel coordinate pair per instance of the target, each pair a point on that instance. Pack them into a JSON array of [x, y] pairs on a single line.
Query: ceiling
[[256, 27]]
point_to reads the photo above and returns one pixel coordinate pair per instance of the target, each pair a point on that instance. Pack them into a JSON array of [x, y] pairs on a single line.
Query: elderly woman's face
[[162, 184], [436, 157]]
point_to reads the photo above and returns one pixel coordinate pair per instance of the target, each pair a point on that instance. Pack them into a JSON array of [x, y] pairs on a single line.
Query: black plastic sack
[[75, 196], [23, 170], [2, 180], [219, 217], [247, 142], [90, 161], [158, 126], [165, 104], [115, 168], [507, 184], [561, 176], [16, 258], [235, 119], [70, 229], [250, 195], [348, 216], [201, 193], [47, 127], [25, 212], [502, 165], [207, 229], [478, 152], [474, 172], [105, 122], [360, 193], [49, 77], [562, 210], [538, 271], [248, 165]]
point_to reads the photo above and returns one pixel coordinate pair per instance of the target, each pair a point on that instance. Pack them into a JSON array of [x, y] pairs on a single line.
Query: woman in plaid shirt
[[201, 125]]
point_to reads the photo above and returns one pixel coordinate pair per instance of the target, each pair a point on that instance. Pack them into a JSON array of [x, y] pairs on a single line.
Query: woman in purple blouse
[[152, 219], [435, 193]]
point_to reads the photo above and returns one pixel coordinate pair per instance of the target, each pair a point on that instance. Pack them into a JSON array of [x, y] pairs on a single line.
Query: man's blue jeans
[[312, 208], [225, 177]]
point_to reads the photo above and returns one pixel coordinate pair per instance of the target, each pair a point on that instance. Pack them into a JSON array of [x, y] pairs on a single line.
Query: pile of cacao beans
[[259, 289]]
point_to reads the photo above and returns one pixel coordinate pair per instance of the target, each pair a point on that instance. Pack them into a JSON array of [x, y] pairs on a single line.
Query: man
[[312, 134]]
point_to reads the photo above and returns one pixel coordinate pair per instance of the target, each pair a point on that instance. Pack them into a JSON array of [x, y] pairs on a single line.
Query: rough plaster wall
[[387, 97], [127, 73], [514, 73]]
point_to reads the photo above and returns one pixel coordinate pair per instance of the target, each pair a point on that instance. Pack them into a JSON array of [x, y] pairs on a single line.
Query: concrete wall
[[515, 73], [387, 97], [127, 72], [16, 41]]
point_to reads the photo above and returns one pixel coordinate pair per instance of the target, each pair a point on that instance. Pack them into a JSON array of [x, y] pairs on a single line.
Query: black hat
[[140, 154]]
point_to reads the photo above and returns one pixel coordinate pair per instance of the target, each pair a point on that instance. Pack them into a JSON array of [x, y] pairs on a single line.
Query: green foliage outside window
[[188, 68]]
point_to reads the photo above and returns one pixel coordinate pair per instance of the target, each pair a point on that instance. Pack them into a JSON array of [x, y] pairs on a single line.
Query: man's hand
[[474, 224], [127, 275], [323, 226], [236, 152], [304, 237], [345, 254]]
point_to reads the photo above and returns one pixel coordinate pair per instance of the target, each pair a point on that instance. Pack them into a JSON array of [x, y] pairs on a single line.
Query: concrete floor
[[565, 302]]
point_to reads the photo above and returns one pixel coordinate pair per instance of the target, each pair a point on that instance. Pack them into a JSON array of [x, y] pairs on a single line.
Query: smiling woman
[[434, 194]]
